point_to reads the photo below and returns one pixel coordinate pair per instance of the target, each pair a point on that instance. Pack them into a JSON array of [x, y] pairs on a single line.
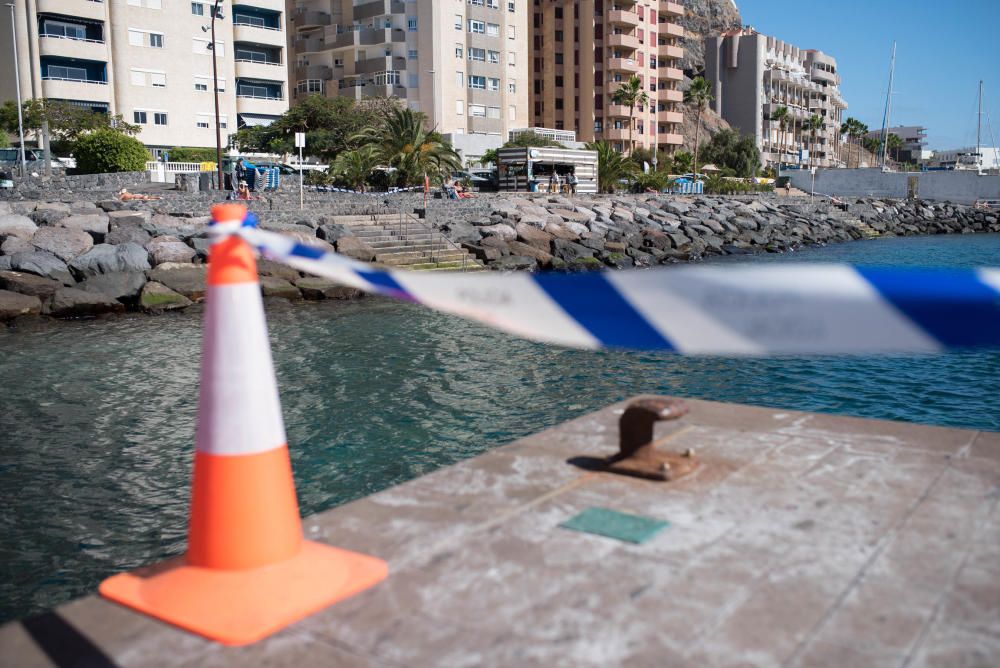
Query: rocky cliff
[[703, 18]]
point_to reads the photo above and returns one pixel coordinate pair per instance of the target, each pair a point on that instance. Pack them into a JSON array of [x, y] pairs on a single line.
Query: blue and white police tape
[[725, 310], [391, 191]]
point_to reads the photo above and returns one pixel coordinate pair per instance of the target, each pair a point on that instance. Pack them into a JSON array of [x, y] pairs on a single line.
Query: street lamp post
[[216, 14], [17, 85]]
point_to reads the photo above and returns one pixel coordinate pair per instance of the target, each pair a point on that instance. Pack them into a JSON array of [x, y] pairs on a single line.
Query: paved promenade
[[803, 540]]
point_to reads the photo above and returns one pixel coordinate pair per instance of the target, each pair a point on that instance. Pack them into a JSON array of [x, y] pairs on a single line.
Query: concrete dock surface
[[802, 540]]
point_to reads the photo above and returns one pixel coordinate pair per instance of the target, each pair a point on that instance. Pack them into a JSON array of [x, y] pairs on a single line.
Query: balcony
[[623, 65], [669, 51], [321, 72], [383, 64], [671, 8], [305, 18], [71, 47], [83, 10], [256, 69], [822, 75], [269, 106], [628, 42], [669, 117], [671, 29], [669, 95], [670, 139], [620, 134], [623, 18], [250, 32], [368, 10], [310, 44], [267, 5], [618, 111], [76, 89], [670, 74]]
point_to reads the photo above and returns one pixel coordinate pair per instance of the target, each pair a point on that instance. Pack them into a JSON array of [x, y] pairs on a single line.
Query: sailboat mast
[[979, 129], [888, 106]]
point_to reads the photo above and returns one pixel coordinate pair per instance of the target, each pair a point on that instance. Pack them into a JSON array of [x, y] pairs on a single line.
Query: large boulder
[[169, 249], [572, 215], [28, 284], [570, 251], [278, 270], [62, 242], [187, 279], [462, 232], [124, 234], [560, 231], [44, 264], [16, 225], [108, 259], [533, 236], [49, 213], [156, 297], [354, 247], [543, 258], [14, 305], [331, 232], [118, 219], [322, 288], [513, 263], [502, 230], [73, 302], [94, 224], [119, 285], [272, 286], [13, 245]]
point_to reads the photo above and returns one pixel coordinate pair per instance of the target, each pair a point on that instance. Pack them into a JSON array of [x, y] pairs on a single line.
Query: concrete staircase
[[406, 242]]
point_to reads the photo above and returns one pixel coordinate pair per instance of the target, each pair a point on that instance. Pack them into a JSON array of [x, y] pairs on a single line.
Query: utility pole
[[216, 14], [17, 84]]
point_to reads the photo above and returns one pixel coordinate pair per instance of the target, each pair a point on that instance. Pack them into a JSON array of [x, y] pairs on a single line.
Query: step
[[405, 251], [444, 266]]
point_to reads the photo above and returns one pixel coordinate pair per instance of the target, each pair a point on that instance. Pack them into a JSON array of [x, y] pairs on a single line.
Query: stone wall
[[59, 185], [961, 187]]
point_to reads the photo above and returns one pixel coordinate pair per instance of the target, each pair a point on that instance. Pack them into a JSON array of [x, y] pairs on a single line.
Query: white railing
[[255, 25], [89, 81], [164, 172], [75, 39], [261, 97], [258, 62]]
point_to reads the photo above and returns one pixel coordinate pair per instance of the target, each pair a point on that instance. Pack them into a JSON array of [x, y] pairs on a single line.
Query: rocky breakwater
[[73, 259], [628, 231]]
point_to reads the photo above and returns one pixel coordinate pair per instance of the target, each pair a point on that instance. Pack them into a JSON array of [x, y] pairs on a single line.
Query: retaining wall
[[960, 187]]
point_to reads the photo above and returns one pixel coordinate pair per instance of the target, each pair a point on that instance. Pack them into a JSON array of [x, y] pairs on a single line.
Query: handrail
[[255, 25], [92, 81], [442, 240], [258, 62], [260, 97], [75, 39]]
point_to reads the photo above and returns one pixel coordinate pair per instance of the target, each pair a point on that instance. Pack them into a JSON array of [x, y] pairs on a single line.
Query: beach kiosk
[[543, 169]]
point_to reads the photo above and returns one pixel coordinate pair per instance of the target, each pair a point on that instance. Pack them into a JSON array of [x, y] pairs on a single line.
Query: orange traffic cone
[[247, 572]]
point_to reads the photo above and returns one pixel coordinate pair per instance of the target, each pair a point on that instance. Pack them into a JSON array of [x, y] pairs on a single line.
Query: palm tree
[[612, 166], [813, 124], [859, 131], [403, 142], [489, 157], [682, 162], [781, 115], [630, 94], [354, 167], [699, 94], [892, 145]]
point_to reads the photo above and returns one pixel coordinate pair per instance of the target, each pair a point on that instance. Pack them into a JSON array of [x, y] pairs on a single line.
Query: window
[[459, 79], [156, 40], [477, 110], [411, 23], [494, 84], [477, 54], [477, 2], [137, 78], [492, 29], [458, 22], [477, 26], [413, 81], [477, 82], [511, 32], [458, 51], [412, 54], [158, 79], [139, 117], [494, 57], [135, 38], [493, 4], [200, 86], [511, 87], [512, 113], [159, 118], [202, 124], [197, 9], [63, 29], [511, 5], [460, 107], [493, 112], [66, 72], [511, 57]]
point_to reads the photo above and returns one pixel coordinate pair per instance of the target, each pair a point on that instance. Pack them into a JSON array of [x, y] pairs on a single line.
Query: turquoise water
[[97, 418]]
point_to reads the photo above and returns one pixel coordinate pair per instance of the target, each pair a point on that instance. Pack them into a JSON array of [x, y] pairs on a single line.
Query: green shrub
[[106, 151], [191, 154], [717, 185], [316, 177]]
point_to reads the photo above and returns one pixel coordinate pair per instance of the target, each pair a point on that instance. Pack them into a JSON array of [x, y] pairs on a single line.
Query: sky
[[943, 49]]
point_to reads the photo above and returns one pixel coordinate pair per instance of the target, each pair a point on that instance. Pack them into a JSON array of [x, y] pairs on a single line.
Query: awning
[[255, 120]]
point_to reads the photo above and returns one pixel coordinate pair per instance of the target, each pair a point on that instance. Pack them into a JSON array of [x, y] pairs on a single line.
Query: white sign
[[300, 140]]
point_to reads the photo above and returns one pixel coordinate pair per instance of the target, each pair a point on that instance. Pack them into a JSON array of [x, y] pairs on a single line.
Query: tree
[[699, 94], [403, 142], [683, 162], [191, 154], [67, 122], [489, 157], [781, 115], [813, 124], [612, 166], [854, 129], [106, 150], [729, 151], [354, 167], [529, 140], [893, 144], [630, 94]]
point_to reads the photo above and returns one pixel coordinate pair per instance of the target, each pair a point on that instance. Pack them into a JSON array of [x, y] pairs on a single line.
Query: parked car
[[478, 181], [11, 157]]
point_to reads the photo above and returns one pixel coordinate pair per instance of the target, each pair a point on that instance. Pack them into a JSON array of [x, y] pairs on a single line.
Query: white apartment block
[[151, 62], [752, 75], [464, 63]]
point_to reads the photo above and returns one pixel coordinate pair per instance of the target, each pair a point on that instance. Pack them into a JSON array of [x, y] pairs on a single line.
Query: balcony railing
[[89, 81], [240, 21], [254, 96], [75, 39], [258, 61]]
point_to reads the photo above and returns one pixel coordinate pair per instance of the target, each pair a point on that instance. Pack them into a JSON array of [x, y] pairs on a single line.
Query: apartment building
[[151, 62], [584, 51], [752, 75], [914, 138], [464, 63]]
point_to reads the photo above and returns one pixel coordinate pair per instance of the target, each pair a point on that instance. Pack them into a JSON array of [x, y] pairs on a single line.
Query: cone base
[[243, 606]]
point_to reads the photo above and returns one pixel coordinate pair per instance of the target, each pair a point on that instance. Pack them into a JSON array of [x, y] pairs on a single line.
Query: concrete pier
[[802, 540]]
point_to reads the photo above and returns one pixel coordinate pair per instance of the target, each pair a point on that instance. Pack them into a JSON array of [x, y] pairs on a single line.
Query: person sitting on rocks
[[244, 192], [125, 196]]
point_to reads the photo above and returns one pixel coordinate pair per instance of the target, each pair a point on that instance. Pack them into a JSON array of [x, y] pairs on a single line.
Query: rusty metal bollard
[[637, 454]]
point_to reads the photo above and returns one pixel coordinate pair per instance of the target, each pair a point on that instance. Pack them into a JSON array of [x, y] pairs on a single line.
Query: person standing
[[571, 180]]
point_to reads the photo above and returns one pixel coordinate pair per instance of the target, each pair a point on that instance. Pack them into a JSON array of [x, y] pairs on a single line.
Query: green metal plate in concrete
[[613, 524]]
